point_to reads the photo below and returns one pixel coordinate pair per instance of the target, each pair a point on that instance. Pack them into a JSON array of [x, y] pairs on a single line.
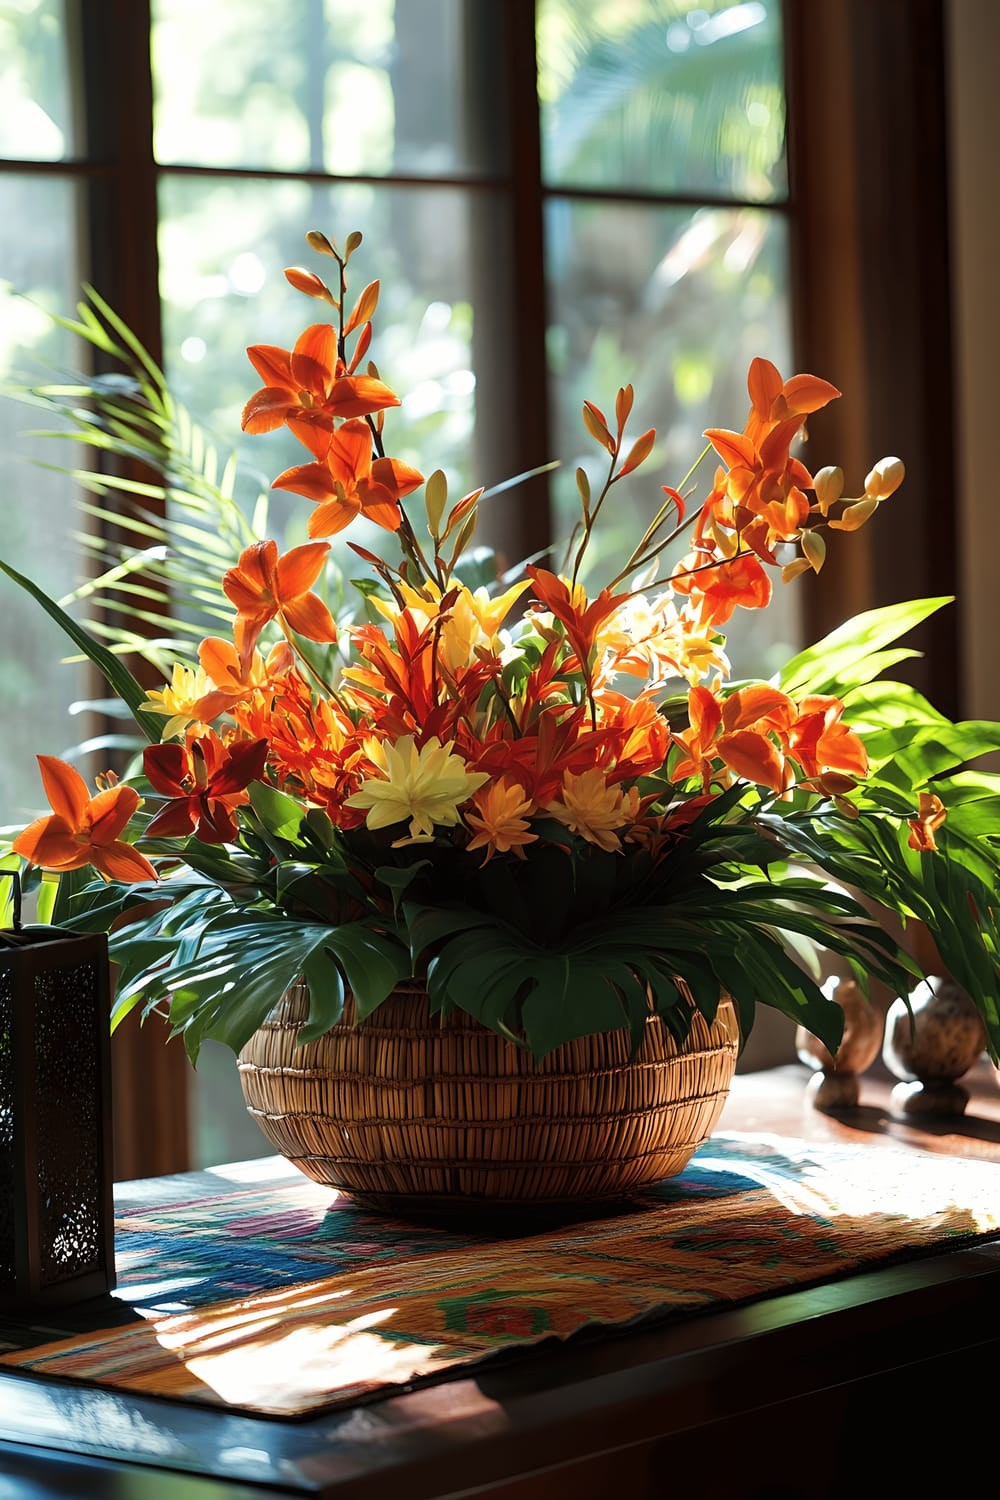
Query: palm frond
[[166, 507]]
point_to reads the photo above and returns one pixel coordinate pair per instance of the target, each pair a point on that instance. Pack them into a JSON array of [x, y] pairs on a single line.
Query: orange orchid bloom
[[346, 480], [761, 492], [83, 830], [310, 382], [716, 591], [819, 741], [930, 815], [205, 780], [264, 585], [222, 665], [740, 732]]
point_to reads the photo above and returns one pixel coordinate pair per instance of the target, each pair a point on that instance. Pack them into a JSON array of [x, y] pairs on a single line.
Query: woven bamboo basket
[[420, 1115]]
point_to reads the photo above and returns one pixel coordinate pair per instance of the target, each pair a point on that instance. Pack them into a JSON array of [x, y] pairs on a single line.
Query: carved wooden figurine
[[834, 1084]]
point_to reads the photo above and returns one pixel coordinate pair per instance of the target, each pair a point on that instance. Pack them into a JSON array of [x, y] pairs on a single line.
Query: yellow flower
[[471, 622], [426, 785], [500, 817], [593, 809], [191, 697]]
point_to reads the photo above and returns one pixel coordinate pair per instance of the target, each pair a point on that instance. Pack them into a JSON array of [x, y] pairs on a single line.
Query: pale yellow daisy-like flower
[[427, 786], [191, 697], [499, 817], [593, 809]]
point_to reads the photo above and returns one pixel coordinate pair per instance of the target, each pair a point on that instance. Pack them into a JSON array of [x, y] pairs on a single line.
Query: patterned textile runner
[[278, 1296]]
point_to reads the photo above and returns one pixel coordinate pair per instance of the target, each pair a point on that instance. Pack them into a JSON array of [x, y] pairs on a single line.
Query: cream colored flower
[[191, 697], [426, 785]]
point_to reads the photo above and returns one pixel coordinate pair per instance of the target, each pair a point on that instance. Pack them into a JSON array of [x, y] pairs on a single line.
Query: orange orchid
[[761, 494], [310, 382], [206, 781], [346, 480], [930, 815], [819, 741], [264, 585], [83, 830], [716, 590], [222, 666]]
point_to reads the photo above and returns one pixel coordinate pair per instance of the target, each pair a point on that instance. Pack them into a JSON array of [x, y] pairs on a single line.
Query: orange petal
[[313, 429], [110, 811], [219, 662], [311, 618], [758, 701], [272, 364], [314, 358], [333, 516], [47, 842], [753, 757], [265, 410], [806, 393], [350, 452], [398, 477], [379, 505], [120, 861], [65, 788], [299, 569], [774, 447], [704, 712], [734, 448], [314, 481], [357, 395], [764, 384]]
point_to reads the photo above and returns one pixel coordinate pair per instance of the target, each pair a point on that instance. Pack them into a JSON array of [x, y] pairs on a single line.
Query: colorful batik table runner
[[276, 1295]]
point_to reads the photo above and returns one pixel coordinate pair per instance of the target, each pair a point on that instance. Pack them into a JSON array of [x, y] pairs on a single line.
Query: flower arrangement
[[545, 799]]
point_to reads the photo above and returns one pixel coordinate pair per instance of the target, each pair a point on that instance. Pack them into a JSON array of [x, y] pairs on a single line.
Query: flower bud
[[828, 486], [885, 478]]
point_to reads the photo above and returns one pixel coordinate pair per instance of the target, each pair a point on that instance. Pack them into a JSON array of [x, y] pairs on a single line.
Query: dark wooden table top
[[778, 1398]]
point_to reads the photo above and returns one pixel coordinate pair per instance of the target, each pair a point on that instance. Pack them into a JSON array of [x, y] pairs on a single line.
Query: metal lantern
[[56, 1212]]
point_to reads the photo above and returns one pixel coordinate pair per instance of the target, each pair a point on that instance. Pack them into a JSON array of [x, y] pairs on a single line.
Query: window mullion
[[119, 250]]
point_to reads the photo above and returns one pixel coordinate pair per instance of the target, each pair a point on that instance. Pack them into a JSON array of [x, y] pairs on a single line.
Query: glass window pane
[[659, 97], [350, 87], [36, 122], [676, 303], [38, 277]]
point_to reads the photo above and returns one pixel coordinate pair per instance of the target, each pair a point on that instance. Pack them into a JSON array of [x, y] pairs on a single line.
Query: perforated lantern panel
[[56, 1240], [6, 1130]]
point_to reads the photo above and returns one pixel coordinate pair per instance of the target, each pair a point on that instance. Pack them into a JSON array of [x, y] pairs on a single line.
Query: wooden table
[[886, 1378]]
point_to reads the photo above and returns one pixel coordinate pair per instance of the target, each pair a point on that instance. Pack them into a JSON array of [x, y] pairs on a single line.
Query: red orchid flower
[[347, 480], [310, 382], [205, 780], [264, 585], [83, 830]]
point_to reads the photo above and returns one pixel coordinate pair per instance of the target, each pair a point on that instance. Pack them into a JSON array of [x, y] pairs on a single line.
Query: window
[[563, 196]]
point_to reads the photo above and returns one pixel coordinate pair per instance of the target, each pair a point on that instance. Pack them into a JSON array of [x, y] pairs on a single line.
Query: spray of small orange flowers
[[493, 720]]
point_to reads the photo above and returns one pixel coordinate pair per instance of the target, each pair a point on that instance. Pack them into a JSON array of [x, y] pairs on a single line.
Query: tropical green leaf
[[840, 656]]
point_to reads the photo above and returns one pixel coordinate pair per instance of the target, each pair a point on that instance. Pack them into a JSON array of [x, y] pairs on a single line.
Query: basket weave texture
[[413, 1112]]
